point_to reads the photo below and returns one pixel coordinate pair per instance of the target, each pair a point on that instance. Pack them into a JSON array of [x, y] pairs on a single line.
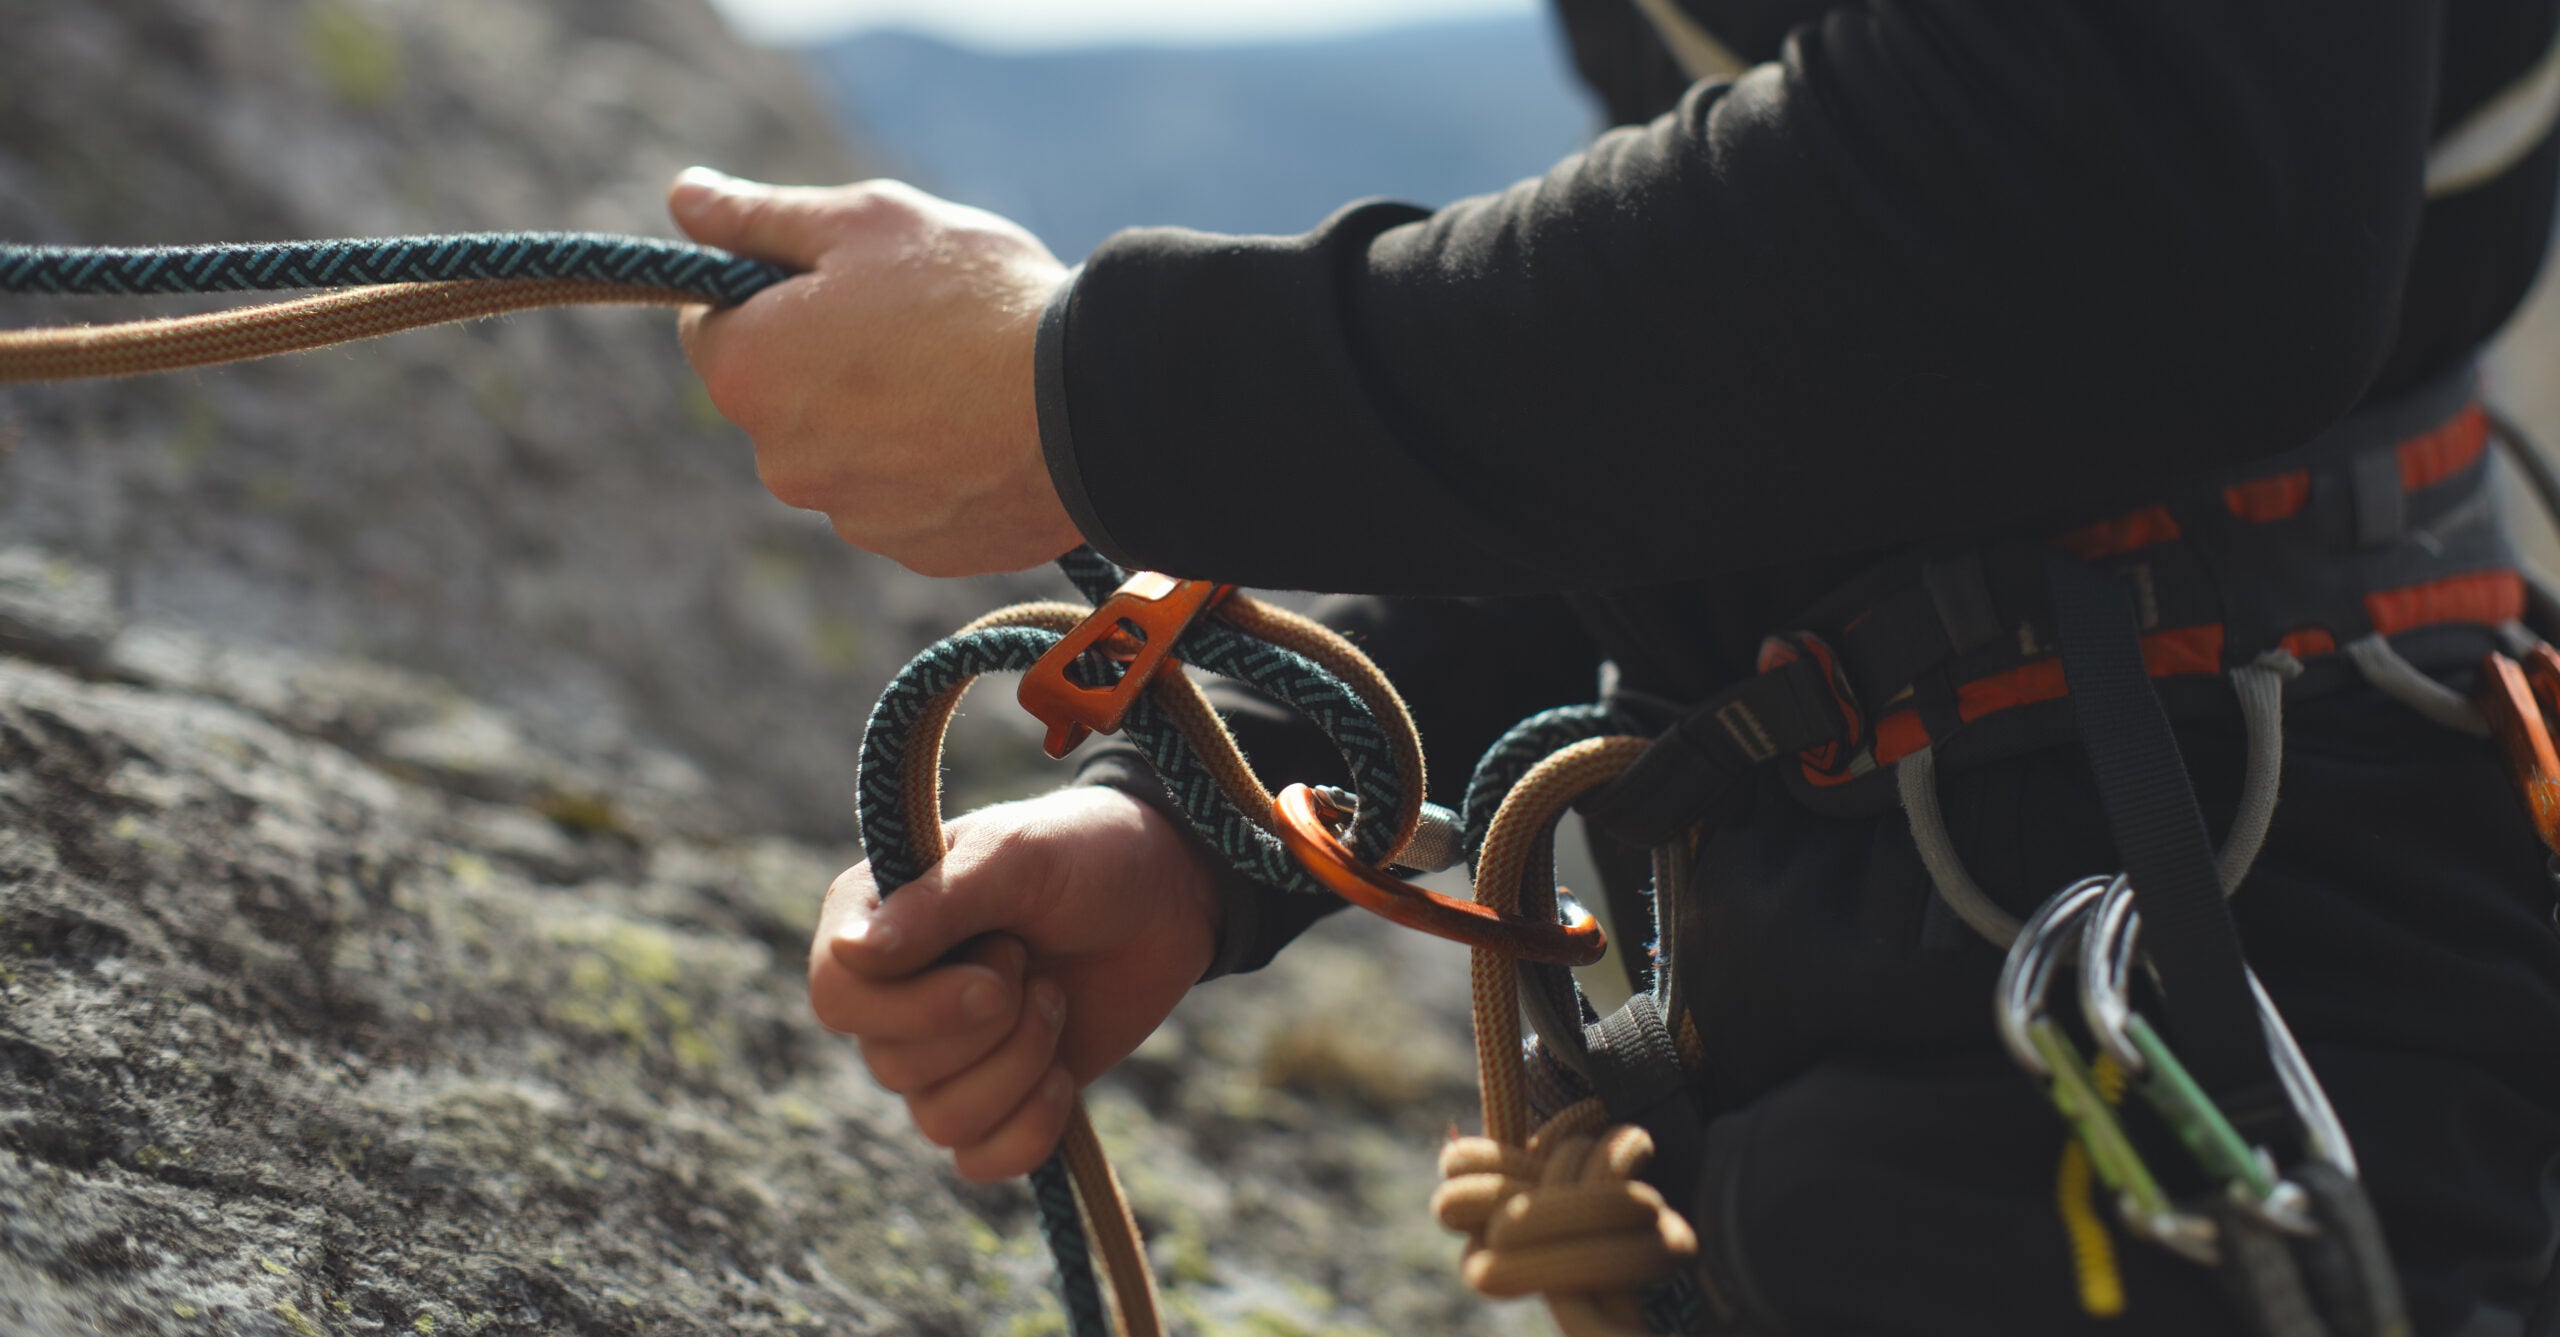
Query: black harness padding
[[1769, 715], [2381, 508], [1635, 1069], [2159, 830], [1961, 597]]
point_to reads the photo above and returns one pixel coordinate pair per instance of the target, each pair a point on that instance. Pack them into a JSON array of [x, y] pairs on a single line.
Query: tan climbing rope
[[1557, 1211]]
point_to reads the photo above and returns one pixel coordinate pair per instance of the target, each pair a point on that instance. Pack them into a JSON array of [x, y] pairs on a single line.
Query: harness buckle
[[1138, 626]]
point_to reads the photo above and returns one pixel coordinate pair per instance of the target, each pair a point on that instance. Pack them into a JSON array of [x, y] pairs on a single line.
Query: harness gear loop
[[1136, 627], [2259, 687]]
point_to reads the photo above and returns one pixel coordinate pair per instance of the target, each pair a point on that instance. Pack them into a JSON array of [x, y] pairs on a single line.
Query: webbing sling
[[1634, 1067], [2159, 830]]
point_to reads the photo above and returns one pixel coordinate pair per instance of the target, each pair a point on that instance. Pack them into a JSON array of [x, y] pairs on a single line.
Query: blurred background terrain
[[1256, 136], [420, 762]]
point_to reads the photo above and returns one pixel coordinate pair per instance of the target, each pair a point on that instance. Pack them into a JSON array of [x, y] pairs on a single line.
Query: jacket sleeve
[[1945, 264]]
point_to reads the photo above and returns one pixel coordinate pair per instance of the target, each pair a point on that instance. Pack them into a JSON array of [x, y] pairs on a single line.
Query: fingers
[[1025, 1137], [910, 1067], [971, 1001], [789, 226], [986, 884], [966, 1108]]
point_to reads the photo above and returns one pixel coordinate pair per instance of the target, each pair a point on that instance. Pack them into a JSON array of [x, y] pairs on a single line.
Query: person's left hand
[[890, 386]]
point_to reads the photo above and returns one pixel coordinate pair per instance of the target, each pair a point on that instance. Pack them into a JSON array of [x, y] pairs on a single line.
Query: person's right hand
[[1055, 935]]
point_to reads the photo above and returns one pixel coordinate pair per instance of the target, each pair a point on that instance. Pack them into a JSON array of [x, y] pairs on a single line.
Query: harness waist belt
[[2382, 530]]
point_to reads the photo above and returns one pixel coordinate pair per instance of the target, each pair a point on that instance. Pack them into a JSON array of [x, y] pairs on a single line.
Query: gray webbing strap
[[1634, 1065]]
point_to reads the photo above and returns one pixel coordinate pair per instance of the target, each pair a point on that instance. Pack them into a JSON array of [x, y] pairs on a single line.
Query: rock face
[[542, 509], [420, 765], [298, 1035]]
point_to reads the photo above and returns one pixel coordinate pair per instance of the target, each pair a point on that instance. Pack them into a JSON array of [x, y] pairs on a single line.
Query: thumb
[[921, 923], [789, 227]]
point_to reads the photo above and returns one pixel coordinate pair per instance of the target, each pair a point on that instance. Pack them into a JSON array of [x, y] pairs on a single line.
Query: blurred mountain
[[1268, 137]]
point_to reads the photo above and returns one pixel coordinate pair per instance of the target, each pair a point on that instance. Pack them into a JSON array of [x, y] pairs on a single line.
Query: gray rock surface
[[298, 1036]]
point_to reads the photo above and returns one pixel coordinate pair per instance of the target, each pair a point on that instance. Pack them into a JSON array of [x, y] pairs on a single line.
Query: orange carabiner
[[2515, 698], [1138, 626], [1307, 821]]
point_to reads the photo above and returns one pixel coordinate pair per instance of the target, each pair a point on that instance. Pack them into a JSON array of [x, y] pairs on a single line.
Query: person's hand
[[1056, 934], [890, 386]]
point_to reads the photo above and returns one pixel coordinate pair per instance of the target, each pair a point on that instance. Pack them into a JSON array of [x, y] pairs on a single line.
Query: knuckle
[[853, 532], [790, 483], [891, 1072], [832, 1011], [937, 1123], [732, 383]]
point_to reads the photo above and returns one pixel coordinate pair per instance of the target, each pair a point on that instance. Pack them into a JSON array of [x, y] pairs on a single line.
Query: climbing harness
[[2370, 554]]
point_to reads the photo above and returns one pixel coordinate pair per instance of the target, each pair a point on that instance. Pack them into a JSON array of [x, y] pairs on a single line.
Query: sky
[[1047, 24]]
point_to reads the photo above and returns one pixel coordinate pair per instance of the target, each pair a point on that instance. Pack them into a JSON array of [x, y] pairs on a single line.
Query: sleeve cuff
[[1057, 432], [1255, 921]]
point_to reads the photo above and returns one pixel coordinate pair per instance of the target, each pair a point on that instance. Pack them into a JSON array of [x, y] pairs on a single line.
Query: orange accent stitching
[[2107, 538], [2263, 500], [2484, 597], [2444, 452]]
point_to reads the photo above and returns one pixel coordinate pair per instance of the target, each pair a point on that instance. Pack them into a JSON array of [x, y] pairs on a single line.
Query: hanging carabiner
[[2040, 1046], [1307, 821], [2107, 954]]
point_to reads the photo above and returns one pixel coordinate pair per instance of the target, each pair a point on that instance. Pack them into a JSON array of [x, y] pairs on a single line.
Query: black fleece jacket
[[1936, 268]]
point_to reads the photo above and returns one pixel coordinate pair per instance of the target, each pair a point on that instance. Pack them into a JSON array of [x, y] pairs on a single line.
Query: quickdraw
[[2299, 1245]]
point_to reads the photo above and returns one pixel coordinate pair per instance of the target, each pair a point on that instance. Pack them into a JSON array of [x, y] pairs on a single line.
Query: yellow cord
[[2093, 1249]]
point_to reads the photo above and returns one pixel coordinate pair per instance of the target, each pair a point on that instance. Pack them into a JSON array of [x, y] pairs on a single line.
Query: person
[[1927, 276]]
